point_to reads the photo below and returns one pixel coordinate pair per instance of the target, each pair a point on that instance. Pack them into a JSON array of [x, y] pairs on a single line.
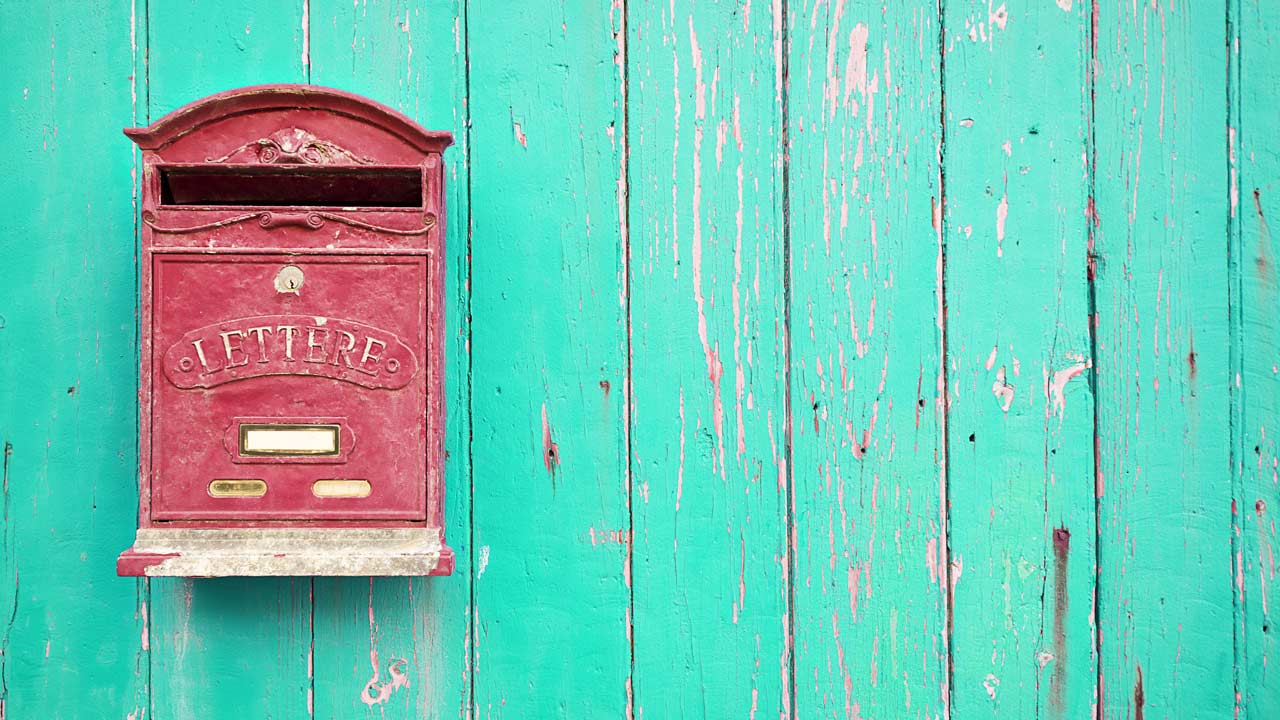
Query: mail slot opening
[[291, 186], [281, 440]]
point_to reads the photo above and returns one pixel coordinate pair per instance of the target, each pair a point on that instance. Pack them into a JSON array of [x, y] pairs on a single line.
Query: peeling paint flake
[[1055, 386]]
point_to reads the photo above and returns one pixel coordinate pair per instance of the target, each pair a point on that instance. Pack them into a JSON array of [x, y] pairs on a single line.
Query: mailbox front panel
[[289, 386]]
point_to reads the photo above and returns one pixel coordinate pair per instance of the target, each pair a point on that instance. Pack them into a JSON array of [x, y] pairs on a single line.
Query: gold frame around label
[[240, 487], [245, 428]]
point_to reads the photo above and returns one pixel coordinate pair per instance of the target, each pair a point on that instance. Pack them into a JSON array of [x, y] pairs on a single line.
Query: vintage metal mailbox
[[292, 407]]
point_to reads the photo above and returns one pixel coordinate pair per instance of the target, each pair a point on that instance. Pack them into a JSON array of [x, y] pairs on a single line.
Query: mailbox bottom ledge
[[241, 552]]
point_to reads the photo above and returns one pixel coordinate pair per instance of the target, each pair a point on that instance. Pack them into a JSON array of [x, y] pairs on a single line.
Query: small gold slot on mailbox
[[340, 488], [289, 440], [238, 488]]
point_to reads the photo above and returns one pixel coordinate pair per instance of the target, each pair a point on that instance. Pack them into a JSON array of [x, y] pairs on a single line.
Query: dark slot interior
[[291, 185]]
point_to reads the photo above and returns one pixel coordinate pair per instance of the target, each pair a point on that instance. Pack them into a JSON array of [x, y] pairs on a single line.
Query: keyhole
[[289, 280]]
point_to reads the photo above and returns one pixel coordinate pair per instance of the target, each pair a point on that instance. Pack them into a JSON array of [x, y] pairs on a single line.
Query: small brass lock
[[289, 280]]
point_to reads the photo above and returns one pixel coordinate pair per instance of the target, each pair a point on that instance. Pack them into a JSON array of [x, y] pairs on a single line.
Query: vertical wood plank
[[1163, 375], [708, 360], [234, 646], [1020, 359], [398, 646], [1254, 126], [196, 50], [867, 394], [73, 636], [548, 354]]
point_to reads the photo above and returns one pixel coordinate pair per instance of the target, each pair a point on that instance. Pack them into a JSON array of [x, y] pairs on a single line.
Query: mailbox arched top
[[330, 113]]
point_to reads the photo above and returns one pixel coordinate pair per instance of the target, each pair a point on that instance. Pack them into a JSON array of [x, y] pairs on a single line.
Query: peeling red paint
[[137, 564], [1139, 698], [1056, 387], [1191, 359], [1057, 681], [550, 451], [1264, 261], [519, 133]]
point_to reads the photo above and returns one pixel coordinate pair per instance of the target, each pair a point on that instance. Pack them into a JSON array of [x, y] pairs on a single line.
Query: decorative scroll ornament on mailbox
[[292, 397]]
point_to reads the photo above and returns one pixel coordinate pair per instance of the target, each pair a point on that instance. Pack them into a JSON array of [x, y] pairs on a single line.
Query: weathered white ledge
[[223, 552]]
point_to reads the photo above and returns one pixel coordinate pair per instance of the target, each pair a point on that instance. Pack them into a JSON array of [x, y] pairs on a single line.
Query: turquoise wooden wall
[[809, 359]]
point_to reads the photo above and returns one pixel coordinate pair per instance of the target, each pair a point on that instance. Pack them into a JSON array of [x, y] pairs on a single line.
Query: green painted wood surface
[[807, 358], [549, 448], [707, 445], [73, 635], [1166, 605], [1254, 184], [1021, 421], [866, 360]]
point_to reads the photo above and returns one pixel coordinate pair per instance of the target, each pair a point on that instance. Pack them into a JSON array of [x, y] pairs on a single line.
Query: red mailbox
[[292, 325]]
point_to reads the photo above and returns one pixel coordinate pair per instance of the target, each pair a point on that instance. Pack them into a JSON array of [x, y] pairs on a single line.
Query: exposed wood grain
[[237, 646], [548, 353], [866, 359], [1021, 410], [1255, 201], [1165, 588], [707, 360], [398, 647], [70, 631]]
